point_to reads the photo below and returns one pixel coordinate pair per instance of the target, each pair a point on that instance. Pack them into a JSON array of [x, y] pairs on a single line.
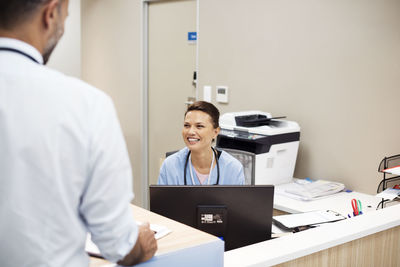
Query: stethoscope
[[215, 156], [19, 52]]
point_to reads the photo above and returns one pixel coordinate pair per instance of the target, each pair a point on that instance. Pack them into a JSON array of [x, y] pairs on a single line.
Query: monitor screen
[[240, 215]]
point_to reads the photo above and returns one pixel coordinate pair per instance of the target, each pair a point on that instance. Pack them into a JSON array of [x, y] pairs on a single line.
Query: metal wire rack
[[388, 179]]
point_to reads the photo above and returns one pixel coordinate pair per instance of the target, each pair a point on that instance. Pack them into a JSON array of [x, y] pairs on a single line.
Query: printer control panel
[[241, 134]]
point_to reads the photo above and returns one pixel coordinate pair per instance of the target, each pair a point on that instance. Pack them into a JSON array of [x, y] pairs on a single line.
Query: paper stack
[[309, 190]]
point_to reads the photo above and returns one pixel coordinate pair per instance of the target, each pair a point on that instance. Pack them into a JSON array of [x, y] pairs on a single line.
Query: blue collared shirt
[[171, 172]]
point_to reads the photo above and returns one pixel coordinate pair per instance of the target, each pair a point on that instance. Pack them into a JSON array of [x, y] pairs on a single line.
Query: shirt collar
[[21, 46]]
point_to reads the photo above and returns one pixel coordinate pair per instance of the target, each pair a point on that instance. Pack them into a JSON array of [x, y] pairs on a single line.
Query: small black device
[[240, 215]]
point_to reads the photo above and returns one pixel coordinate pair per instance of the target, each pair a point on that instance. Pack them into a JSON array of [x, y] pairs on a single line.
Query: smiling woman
[[199, 160]]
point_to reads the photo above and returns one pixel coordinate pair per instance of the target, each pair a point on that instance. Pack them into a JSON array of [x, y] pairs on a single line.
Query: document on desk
[[389, 194], [394, 170], [310, 190], [159, 232], [308, 218]]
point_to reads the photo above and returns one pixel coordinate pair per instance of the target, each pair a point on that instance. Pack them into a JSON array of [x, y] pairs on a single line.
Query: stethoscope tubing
[[187, 161], [18, 52]]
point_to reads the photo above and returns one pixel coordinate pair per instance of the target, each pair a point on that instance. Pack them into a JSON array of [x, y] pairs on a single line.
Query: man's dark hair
[[208, 108], [14, 12]]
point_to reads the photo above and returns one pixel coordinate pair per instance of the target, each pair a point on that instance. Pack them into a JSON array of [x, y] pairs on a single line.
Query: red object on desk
[[355, 207]]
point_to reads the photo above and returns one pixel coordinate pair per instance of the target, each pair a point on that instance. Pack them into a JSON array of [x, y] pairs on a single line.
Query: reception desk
[[184, 246], [371, 239]]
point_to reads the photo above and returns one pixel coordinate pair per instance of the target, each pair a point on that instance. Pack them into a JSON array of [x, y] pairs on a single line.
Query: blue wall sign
[[192, 36]]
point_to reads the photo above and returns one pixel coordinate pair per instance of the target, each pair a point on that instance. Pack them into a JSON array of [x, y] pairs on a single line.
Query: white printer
[[274, 143]]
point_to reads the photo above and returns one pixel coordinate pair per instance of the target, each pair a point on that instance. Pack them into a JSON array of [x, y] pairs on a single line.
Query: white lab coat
[[64, 167]]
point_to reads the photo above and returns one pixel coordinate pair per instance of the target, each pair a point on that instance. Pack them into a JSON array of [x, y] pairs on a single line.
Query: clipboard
[[311, 218]]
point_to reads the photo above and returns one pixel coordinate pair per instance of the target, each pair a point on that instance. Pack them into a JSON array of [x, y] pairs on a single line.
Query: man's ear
[[50, 13]]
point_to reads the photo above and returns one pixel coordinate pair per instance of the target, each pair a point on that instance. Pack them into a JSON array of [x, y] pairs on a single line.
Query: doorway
[[171, 63]]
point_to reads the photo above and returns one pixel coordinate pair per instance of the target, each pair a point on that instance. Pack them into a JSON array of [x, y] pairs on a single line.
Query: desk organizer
[[387, 162]]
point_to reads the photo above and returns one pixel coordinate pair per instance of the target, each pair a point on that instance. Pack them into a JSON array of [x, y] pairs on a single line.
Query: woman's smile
[[193, 140], [198, 131]]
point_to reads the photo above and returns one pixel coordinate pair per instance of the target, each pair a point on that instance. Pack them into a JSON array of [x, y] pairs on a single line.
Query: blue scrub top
[[171, 172]]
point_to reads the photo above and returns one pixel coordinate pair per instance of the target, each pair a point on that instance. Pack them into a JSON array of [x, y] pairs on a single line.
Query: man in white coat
[[64, 166]]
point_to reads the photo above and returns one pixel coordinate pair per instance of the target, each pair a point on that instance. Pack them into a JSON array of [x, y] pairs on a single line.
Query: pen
[[359, 207], [354, 206]]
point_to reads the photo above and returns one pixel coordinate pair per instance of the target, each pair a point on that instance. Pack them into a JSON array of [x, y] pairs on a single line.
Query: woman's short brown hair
[[208, 108]]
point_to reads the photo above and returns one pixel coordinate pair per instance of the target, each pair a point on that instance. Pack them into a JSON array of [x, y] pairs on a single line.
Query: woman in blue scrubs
[[199, 163]]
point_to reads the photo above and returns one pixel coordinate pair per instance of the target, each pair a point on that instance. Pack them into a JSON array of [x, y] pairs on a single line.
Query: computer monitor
[[240, 215]]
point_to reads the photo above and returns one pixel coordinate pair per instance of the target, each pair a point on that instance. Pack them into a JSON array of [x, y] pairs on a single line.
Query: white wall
[[111, 60], [66, 57], [333, 66]]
